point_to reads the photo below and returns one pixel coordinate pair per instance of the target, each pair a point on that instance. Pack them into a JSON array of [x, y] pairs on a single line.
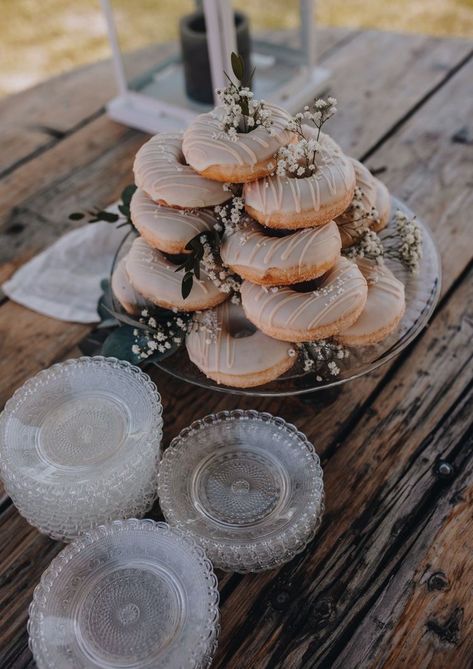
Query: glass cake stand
[[422, 293]]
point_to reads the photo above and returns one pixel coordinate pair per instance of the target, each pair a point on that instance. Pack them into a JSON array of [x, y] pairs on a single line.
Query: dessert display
[[259, 236]]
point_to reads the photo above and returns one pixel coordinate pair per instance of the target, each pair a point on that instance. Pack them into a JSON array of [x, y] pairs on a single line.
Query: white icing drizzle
[[166, 228], [155, 277], [219, 352], [128, 297], [205, 145], [384, 306], [252, 253], [282, 194], [293, 314], [160, 169]]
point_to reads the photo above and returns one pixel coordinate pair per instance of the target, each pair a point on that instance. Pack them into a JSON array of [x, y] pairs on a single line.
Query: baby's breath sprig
[[357, 219], [241, 112], [406, 242], [323, 358], [162, 333], [369, 245], [410, 234], [317, 114], [298, 159]]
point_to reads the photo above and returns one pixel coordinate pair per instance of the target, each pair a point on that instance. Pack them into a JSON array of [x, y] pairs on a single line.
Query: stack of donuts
[[296, 286]]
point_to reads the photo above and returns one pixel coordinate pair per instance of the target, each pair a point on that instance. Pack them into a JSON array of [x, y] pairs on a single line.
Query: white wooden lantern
[[284, 76]]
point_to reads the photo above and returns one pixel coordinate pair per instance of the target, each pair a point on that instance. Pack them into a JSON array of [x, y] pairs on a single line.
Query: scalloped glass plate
[[422, 292], [130, 594], [80, 445], [246, 486]]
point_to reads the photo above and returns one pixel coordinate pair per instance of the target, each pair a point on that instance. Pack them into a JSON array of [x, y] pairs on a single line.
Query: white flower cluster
[[221, 277], [357, 219], [318, 114], [410, 251], [241, 113], [322, 357], [298, 159], [207, 323], [159, 337], [230, 215], [368, 246]]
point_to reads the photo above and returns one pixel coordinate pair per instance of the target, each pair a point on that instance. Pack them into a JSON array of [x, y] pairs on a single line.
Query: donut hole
[[276, 232], [176, 259], [238, 325], [308, 286]]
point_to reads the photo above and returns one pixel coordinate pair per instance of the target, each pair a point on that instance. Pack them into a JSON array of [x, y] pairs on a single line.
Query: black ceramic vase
[[195, 55]]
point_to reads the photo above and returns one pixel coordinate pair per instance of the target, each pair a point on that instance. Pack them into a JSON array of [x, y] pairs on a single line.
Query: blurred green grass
[[43, 38]]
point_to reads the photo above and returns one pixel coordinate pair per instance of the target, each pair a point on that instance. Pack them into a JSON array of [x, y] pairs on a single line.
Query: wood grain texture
[[357, 597]]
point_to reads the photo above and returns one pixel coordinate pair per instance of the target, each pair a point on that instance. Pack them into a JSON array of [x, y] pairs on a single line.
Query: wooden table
[[388, 581]]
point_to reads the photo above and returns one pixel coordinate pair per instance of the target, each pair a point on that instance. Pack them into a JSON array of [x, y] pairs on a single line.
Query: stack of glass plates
[[130, 594], [80, 445], [246, 486]]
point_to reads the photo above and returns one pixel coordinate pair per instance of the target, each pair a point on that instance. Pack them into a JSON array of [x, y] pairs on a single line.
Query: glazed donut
[[228, 349], [166, 228], [214, 155], [307, 316], [383, 206], [155, 277], [384, 308], [373, 194], [273, 261], [291, 202], [161, 171], [128, 297]]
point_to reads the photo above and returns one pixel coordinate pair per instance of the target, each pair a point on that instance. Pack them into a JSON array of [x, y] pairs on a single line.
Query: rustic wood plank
[[383, 79], [31, 124], [381, 487], [423, 616]]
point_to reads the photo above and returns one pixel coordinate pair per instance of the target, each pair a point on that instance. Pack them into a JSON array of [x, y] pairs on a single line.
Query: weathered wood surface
[[388, 580]]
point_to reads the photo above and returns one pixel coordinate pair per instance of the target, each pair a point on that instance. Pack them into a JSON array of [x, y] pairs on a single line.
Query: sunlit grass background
[[40, 38]]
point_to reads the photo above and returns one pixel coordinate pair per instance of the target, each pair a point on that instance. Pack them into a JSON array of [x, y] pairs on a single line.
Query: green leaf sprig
[[191, 265], [95, 214]]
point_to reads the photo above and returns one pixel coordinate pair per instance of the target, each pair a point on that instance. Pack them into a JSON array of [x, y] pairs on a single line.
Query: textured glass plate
[[130, 594], [245, 485], [80, 445], [422, 293]]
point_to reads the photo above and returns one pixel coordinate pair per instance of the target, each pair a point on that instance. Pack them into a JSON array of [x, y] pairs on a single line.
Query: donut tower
[[287, 206]]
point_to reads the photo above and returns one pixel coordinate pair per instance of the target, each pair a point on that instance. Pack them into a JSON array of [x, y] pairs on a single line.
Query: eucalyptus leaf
[[107, 216], [119, 343], [76, 216], [127, 194], [238, 66], [186, 285]]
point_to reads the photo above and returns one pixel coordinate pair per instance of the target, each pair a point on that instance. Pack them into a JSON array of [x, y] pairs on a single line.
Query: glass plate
[[246, 486], [130, 594], [422, 293], [80, 445]]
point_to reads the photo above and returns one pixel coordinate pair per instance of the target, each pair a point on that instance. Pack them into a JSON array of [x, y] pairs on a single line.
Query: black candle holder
[[195, 54]]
